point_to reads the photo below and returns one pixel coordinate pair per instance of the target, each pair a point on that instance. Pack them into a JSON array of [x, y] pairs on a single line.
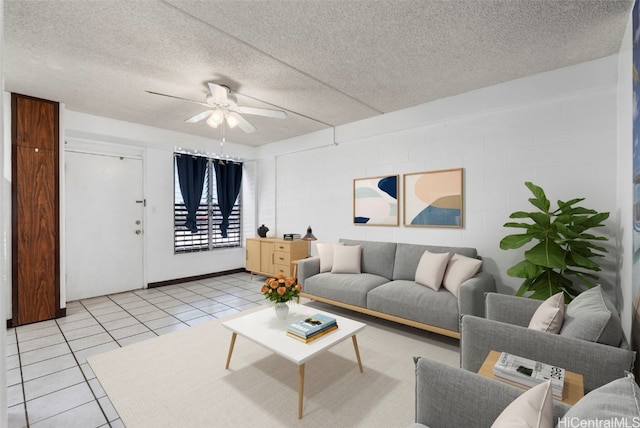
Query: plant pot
[[282, 311]]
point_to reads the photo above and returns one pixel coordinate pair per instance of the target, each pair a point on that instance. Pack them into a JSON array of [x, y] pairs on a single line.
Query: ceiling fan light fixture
[[222, 108], [233, 120], [216, 118]]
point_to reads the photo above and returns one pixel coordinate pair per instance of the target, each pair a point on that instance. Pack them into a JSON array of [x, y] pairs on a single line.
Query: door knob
[[138, 232]]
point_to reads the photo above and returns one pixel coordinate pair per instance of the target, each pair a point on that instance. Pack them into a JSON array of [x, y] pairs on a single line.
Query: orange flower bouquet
[[281, 289]]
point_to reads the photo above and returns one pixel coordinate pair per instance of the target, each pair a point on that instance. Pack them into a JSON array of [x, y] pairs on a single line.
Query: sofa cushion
[[377, 257], [532, 409], [325, 252], [348, 288], [616, 401], [459, 269], [591, 316], [549, 316], [408, 256], [346, 259], [431, 269], [406, 299]]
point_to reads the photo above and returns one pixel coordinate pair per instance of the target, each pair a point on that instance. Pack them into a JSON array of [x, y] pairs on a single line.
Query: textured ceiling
[[331, 62]]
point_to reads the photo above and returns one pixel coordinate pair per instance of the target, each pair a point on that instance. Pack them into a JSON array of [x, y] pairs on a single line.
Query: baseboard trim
[[193, 278]]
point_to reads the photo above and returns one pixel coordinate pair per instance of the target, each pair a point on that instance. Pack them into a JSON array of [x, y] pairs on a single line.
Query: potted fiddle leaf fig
[[563, 252]]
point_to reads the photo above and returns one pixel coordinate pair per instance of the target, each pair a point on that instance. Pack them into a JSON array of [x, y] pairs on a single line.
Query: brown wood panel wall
[[35, 210], [36, 123]]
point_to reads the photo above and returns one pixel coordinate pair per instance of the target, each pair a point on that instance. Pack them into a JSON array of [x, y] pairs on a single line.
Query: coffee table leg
[[233, 342], [300, 390], [355, 346]]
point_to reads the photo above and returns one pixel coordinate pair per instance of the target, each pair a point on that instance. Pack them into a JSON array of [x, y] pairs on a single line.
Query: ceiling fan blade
[[243, 123], [219, 93], [178, 98], [277, 114], [200, 116]]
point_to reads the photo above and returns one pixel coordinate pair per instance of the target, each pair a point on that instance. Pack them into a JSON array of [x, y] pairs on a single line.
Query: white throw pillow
[[431, 269], [346, 259], [325, 252], [533, 409], [550, 315], [459, 269]]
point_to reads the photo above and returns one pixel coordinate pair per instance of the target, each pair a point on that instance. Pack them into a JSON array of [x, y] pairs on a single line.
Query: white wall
[[557, 129], [160, 261]]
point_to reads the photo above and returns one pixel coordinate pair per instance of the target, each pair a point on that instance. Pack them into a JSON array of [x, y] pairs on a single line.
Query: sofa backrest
[[408, 256], [377, 257]]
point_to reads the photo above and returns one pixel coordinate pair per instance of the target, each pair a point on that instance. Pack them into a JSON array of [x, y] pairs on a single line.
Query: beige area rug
[[179, 379]]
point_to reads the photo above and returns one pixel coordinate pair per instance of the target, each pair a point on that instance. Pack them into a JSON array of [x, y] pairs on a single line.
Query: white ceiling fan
[[223, 107]]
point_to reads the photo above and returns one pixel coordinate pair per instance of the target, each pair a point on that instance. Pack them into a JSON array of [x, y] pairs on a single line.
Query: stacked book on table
[[312, 327], [528, 373]]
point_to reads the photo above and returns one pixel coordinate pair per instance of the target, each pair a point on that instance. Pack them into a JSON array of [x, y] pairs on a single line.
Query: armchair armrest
[[448, 397], [308, 267], [471, 295], [598, 363], [511, 309]]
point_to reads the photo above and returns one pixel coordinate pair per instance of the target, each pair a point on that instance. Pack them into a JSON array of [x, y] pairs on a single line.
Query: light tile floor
[[50, 383]]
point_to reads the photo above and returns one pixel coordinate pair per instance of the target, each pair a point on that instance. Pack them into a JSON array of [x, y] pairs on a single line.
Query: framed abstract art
[[433, 198], [375, 201]]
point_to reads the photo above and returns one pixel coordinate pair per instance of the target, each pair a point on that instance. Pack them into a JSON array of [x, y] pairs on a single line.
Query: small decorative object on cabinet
[[262, 231], [309, 235], [274, 256]]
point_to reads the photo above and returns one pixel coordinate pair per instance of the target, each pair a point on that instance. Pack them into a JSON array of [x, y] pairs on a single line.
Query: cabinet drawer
[[282, 269], [282, 258], [284, 247]]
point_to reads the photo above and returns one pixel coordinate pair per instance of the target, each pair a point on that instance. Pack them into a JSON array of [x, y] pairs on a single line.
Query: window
[[208, 217]]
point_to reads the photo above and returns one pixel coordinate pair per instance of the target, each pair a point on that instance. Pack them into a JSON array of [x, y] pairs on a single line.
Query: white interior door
[[103, 224]]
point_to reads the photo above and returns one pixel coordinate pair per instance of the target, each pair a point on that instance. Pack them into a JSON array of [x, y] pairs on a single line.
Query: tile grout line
[[24, 395], [236, 283], [52, 392], [106, 418]]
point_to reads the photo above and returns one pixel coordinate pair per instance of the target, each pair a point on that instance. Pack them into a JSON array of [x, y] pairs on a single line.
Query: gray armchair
[[505, 330], [449, 397]]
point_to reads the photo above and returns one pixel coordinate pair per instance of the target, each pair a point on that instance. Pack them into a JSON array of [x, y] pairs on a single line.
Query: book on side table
[[573, 382], [529, 373], [311, 328]]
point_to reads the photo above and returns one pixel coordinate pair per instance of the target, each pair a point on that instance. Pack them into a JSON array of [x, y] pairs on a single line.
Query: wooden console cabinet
[[274, 256]]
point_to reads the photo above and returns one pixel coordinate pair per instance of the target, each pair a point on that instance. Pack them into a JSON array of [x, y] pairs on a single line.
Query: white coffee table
[[262, 327]]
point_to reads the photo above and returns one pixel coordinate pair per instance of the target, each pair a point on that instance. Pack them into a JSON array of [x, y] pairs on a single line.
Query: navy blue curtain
[[228, 180], [191, 173]]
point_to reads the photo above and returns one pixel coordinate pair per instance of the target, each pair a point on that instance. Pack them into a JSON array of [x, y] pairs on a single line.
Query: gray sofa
[[386, 287], [505, 330], [449, 397]]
